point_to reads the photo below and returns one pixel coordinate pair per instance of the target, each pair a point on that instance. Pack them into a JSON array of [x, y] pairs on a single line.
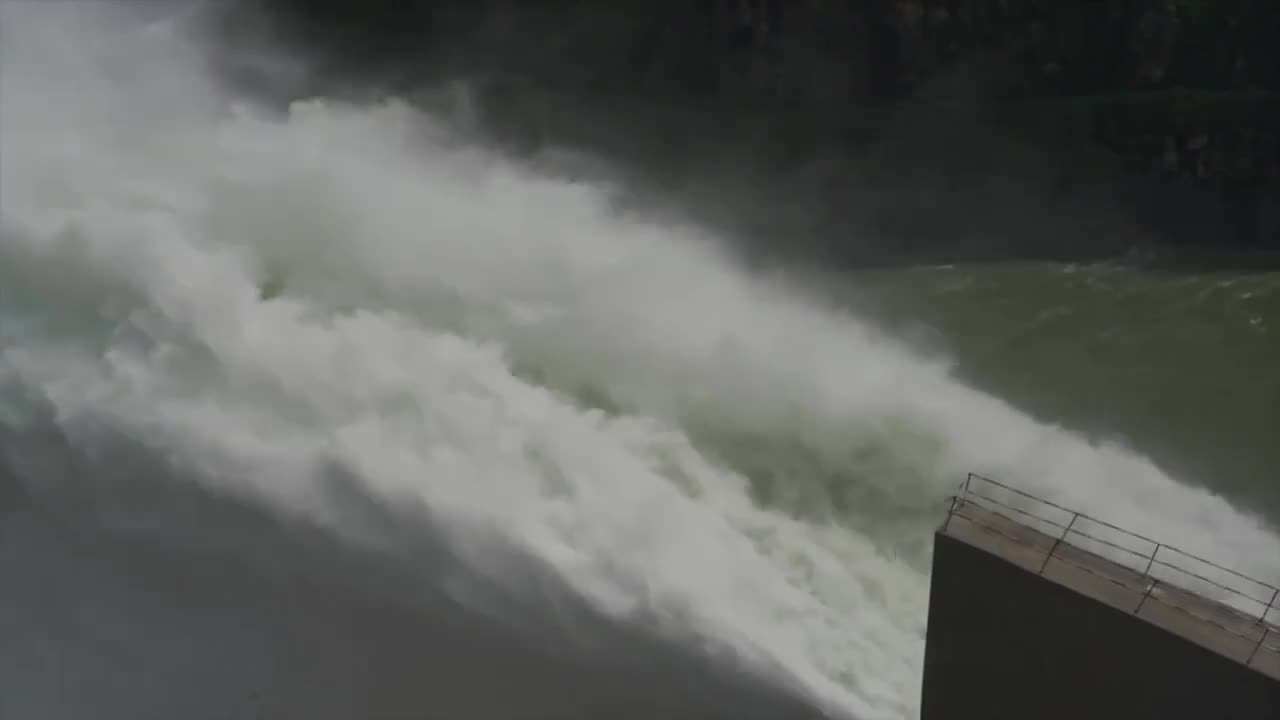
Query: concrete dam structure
[[1037, 611]]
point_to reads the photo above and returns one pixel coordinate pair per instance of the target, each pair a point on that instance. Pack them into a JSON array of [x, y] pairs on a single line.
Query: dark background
[[867, 131]]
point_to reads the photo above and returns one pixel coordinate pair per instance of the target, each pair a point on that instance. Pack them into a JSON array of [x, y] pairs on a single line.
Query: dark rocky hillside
[[877, 129]]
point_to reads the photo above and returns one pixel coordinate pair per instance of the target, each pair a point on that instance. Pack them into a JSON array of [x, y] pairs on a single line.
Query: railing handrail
[[966, 491], [1151, 557]]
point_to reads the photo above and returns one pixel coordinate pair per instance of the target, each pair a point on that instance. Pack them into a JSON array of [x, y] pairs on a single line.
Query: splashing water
[[256, 299]]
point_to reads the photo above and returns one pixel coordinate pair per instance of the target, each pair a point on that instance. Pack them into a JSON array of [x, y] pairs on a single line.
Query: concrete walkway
[[1201, 620]]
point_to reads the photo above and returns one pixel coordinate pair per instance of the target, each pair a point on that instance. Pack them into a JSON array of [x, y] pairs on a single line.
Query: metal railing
[[1152, 563]]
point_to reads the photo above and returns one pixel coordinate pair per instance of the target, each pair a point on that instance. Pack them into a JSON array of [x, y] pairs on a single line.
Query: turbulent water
[[332, 413], [1180, 364]]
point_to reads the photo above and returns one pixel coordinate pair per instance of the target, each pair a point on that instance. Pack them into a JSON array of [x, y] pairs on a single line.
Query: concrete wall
[[1006, 643]]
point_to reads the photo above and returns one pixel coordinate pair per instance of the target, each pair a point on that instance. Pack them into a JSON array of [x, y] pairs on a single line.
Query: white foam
[[142, 215]]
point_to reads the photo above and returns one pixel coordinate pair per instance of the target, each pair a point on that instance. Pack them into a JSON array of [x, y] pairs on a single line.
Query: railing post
[[1147, 574], [1150, 586], [963, 492], [951, 511], [1057, 542], [1152, 560], [1266, 630], [1262, 619], [1266, 626]]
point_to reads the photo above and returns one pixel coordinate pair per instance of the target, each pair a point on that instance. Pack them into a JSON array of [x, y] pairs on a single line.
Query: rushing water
[[1185, 366], [275, 388]]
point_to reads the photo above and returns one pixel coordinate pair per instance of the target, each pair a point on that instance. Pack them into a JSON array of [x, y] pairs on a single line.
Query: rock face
[[1182, 93]]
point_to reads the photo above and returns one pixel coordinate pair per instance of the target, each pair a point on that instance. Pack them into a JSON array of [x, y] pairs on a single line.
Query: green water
[[1184, 367]]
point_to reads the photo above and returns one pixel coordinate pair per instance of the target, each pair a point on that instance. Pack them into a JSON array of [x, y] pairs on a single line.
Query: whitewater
[[352, 318]]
